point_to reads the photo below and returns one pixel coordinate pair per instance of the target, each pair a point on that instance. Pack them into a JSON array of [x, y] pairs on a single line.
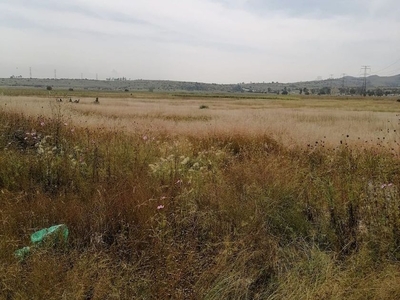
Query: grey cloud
[[318, 9], [214, 38], [68, 7], [308, 8]]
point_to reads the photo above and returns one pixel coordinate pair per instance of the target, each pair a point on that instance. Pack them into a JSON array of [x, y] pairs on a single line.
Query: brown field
[[370, 123], [247, 198]]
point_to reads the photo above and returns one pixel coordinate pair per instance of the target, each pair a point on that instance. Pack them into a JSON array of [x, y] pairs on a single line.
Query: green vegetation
[[221, 216], [68, 93], [344, 86]]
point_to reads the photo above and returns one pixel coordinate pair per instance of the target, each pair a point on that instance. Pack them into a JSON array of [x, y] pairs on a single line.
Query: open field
[[188, 197], [299, 121]]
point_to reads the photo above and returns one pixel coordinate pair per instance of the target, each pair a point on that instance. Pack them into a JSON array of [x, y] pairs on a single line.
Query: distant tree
[[237, 88], [269, 90], [285, 91], [387, 93], [71, 89], [379, 92], [300, 91], [49, 88], [324, 91], [371, 93], [352, 91]]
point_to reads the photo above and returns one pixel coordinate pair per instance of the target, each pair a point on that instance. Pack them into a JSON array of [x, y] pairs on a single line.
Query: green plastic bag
[[51, 236], [22, 253]]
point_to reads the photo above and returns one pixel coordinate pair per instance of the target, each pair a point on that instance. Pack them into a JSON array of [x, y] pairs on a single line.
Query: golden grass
[[301, 122], [167, 200]]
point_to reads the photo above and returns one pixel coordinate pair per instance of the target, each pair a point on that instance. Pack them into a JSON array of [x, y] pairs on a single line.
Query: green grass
[[43, 92], [56, 93], [224, 216]]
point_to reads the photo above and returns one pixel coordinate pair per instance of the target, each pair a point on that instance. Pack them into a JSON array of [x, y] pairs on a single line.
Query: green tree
[[379, 92], [325, 91]]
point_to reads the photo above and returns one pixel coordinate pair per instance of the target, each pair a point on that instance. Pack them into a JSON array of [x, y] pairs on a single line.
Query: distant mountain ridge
[[373, 82]]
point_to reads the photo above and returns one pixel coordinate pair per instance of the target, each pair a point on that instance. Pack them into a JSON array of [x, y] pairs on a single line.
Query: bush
[[49, 88], [203, 106]]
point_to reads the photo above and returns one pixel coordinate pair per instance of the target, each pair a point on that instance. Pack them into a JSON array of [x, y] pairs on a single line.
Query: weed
[[225, 214]]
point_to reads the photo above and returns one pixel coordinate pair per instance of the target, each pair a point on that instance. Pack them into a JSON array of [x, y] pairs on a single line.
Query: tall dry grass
[[359, 122], [161, 206]]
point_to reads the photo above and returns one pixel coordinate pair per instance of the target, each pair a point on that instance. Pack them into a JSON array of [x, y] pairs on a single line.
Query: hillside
[[168, 86]]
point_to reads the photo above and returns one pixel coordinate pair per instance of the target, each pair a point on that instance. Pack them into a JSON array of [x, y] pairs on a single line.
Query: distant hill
[[373, 82]]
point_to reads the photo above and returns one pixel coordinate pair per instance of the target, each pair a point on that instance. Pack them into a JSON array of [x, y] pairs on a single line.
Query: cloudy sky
[[222, 41]]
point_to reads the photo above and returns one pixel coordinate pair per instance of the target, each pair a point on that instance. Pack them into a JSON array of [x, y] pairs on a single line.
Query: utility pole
[[331, 83], [343, 80], [364, 87], [343, 83], [55, 74], [30, 73], [97, 78], [81, 75]]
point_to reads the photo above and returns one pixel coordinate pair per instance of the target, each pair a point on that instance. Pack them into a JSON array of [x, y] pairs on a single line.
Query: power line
[[364, 87], [393, 72], [387, 67]]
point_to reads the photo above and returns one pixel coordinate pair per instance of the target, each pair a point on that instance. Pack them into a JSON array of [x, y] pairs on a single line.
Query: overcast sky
[[221, 41]]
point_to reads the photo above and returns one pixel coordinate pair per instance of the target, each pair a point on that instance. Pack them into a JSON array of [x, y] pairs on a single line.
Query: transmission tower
[[364, 87], [343, 80], [331, 83]]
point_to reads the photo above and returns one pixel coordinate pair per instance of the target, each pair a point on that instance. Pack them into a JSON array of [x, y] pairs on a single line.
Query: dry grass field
[[300, 121], [190, 197]]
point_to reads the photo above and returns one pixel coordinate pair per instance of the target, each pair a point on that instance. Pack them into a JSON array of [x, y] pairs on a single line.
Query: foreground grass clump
[[224, 216]]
